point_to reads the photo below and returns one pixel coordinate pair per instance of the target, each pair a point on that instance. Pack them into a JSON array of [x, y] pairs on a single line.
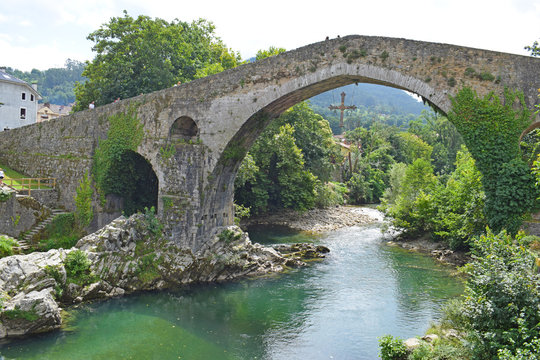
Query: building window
[[24, 96], [31, 97], [23, 113]]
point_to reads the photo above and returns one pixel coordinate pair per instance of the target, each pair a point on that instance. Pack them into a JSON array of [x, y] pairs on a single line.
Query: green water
[[333, 309]]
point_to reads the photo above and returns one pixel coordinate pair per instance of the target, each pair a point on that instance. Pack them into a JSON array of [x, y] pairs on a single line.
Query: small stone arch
[[184, 128]]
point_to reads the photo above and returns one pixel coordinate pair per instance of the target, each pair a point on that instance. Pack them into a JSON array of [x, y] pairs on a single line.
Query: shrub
[[152, 222], [329, 194], [5, 194], [77, 267], [392, 348], [6, 245], [61, 233], [502, 297]]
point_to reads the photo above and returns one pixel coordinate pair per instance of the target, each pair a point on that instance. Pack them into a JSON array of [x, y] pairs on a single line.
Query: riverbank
[[318, 221], [438, 250], [124, 257]]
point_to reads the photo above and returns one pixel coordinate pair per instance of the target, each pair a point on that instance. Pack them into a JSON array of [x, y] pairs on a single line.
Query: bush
[[152, 222], [77, 267], [61, 233], [329, 194], [392, 348], [6, 245], [5, 194], [502, 298]]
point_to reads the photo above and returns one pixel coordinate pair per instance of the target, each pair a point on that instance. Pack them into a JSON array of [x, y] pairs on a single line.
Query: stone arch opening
[[132, 184], [241, 142], [184, 128]]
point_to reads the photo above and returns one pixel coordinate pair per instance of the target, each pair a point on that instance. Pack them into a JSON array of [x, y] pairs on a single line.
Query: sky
[[42, 34]]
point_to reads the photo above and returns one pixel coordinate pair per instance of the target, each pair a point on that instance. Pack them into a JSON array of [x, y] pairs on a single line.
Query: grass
[[14, 179]]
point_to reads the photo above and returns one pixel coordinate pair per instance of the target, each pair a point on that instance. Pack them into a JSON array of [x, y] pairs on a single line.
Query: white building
[[18, 102]]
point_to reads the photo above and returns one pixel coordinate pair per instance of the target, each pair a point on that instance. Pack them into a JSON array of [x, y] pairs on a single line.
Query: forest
[[56, 85]]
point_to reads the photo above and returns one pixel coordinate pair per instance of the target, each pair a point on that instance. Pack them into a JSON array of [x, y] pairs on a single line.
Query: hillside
[[54, 85], [375, 103]]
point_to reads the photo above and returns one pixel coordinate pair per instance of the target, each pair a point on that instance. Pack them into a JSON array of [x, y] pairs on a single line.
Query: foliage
[[61, 233], [411, 147], [459, 204], [228, 236], [313, 135], [392, 348], [502, 302], [142, 55], [6, 245], [83, 202], [413, 208], [330, 194], [491, 131], [17, 313], [442, 136], [276, 173], [240, 212], [296, 185], [534, 49], [118, 169], [77, 267], [5, 194], [152, 222], [272, 51], [395, 179]]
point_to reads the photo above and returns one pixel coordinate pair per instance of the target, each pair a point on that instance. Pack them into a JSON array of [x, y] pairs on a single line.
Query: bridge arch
[[183, 128]]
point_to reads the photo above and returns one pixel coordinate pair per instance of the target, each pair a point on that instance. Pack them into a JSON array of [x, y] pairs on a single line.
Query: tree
[[281, 168], [534, 49], [142, 55], [272, 51]]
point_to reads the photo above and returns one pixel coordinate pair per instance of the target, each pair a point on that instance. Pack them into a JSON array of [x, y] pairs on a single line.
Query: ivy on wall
[[118, 169], [491, 129], [83, 202]]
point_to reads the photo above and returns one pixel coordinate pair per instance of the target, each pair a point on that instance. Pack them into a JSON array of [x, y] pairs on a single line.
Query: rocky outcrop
[[127, 255]]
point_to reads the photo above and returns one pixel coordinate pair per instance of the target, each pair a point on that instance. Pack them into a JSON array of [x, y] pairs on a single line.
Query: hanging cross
[[342, 107]]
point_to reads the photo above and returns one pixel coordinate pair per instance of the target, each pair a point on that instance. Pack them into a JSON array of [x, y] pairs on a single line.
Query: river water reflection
[[334, 309]]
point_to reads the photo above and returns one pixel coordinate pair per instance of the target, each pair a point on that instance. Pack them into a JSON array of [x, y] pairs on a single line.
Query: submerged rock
[[123, 257]]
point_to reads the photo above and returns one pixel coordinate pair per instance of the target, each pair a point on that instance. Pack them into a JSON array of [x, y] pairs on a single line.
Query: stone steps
[[24, 242]]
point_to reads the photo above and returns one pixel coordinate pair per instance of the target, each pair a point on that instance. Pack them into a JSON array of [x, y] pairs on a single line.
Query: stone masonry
[[212, 122]]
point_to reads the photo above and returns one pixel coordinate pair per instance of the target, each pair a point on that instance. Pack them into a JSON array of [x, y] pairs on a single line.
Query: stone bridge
[[196, 134]]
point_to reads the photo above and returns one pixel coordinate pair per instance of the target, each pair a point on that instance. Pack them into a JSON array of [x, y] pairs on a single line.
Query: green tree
[[534, 49], [460, 204], [296, 185], [272, 51], [440, 134], [313, 135], [142, 55], [502, 299], [414, 207]]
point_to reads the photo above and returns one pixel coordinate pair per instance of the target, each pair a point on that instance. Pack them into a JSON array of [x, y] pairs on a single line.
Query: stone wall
[[19, 214]]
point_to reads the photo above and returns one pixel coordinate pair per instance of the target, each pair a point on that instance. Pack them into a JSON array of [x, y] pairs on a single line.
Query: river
[[332, 309]]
